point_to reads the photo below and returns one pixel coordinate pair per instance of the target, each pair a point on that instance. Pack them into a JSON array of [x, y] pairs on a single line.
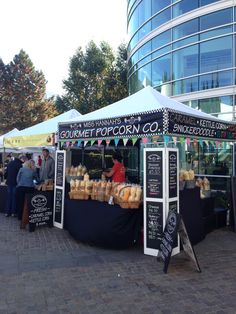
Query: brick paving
[[48, 272]]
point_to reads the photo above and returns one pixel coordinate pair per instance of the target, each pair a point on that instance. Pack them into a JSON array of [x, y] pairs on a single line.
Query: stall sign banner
[[143, 124], [40, 209], [38, 140], [169, 238], [187, 125], [59, 189]]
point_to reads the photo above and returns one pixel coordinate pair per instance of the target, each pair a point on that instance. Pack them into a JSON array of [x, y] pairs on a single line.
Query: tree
[[96, 78], [22, 92]]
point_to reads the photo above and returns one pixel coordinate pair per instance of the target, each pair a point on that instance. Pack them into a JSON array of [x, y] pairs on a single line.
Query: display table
[[190, 208], [98, 223], [3, 198]]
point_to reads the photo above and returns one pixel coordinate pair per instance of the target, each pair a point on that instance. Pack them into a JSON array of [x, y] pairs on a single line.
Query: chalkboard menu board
[[154, 176], [169, 238], [60, 169], [173, 179], [154, 224], [58, 205], [187, 246], [40, 209]]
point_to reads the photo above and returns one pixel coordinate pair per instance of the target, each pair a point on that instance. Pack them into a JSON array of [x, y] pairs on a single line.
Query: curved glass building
[[186, 50]]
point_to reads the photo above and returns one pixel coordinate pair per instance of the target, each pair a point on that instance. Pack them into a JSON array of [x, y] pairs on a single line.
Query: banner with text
[[149, 123], [179, 123]]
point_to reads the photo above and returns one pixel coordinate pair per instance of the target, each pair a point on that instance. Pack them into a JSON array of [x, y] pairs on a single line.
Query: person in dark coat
[[11, 173]]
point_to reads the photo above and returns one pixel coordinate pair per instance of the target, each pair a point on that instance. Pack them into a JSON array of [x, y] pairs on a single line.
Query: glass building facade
[[186, 50]]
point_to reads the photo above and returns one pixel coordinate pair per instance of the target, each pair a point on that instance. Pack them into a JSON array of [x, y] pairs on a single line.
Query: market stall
[[31, 140], [148, 119]]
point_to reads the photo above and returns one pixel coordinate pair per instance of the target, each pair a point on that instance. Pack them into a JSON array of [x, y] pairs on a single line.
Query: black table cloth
[[98, 223], [190, 208], [3, 198]]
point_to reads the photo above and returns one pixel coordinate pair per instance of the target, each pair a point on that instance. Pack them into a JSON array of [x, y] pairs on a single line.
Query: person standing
[[117, 173], [25, 184], [48, 166], [11, 173], [39, 164]]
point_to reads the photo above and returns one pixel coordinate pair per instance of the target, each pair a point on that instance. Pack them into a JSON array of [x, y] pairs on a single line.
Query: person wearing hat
[[11, 173], [48, 166]]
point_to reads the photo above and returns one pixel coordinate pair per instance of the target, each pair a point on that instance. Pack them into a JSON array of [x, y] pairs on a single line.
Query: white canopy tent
[[40, 134], [145, 100], [13, 132]]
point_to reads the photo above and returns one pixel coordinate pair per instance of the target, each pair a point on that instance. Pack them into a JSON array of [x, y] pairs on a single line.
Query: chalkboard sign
[[60, 169], [40, 209], [187, 246], [154, 224], [154, 176], [173, 179], [169, 238], [58, 205]]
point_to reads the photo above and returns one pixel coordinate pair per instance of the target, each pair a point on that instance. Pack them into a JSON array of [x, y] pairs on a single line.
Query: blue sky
[[50, 31]]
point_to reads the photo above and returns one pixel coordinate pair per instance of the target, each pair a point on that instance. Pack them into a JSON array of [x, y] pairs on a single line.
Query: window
[[185, 86], [184, 6], [186, 41], [161, 70], [216, 32], [216, 54], [158, 5], [206, 2], [161, 18], [185, 62], [161, 40], [216, 19], [185, 29], [217, 79]]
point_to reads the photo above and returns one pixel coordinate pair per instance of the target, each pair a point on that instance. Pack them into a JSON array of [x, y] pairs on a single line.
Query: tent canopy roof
[[147, 99], [13, 132], [49, 126]]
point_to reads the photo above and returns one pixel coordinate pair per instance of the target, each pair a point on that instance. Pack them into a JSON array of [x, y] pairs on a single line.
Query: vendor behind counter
[[117, 173]]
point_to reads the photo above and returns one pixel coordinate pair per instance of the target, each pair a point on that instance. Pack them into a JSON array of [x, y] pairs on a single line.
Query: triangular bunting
[[174, 138], [134, 140], [206, 142], [78, 143], [108, 142], [144, 140], [155, 139], [92, 142], [67, 144], [99, 142], [182, 141], [85, 143], [201, 142], [116, 140], [166, 139], [188, 141], [125, 140]]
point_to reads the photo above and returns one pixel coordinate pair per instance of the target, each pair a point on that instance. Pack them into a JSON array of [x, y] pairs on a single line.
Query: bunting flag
[[92, 142], [188, 141], [206, 142], [166, 139], [125, 140], [174, 138], [67, 144], [201, 142], [99, 142], [195, 142], [224, 145], [134, 140], [155, 139], [116, 140], [85, 143], [217, 144], [182, 140], [144, 140], [108, 142]]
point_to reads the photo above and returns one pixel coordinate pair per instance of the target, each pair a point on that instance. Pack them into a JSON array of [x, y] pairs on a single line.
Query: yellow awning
[[38, 140]]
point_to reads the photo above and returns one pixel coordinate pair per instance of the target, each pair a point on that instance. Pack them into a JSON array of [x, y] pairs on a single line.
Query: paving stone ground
[[49, 272]]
